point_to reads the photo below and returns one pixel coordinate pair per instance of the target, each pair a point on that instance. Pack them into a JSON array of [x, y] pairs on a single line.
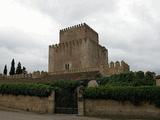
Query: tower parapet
[[76, 32], [116, 68], [79, 50]]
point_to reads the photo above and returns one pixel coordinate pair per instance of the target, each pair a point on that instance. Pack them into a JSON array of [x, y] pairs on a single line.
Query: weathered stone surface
[[80, 91], [123, 109], [157, 82], [8, 115], [92, 83], [79, 50], [29, 103]]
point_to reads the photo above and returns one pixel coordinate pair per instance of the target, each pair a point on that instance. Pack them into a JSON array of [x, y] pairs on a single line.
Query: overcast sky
[[129, 29]]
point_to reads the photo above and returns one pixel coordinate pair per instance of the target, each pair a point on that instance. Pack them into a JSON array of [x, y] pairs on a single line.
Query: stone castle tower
[[79, 51]]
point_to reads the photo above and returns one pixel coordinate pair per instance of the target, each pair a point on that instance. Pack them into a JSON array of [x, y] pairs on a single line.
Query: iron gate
[[66, 101]]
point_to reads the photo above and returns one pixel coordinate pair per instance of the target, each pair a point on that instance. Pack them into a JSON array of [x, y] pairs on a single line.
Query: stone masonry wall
[[157, 82], [121, 109], [35, 74], [115, 68], [71, 53], [81, 31], [78, 54], [29, 103], [79, 49], [97, 55]]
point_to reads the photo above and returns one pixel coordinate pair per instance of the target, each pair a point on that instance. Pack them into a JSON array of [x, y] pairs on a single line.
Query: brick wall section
[[125, 109], [29, 103]]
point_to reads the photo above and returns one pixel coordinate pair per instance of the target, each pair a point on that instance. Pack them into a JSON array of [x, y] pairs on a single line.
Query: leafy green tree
[[140, 75], [12, 71], [19, 69], [5, 70], [150, 75]]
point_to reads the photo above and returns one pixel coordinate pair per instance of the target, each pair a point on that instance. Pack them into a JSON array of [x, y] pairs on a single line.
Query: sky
[[129, 29]]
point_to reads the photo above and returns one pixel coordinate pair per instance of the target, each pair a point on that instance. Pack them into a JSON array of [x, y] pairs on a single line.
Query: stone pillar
[[157, 81], [80, 100], [51, 106]]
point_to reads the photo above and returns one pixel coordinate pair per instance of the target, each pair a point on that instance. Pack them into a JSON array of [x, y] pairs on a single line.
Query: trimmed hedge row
[[68, 84], [39, 90], [135, 95], [129, 79]]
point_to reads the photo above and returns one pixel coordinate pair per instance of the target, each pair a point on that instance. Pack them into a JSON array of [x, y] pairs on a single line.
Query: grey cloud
[[32, 59], [12, 39], [31, 51], [69, 12], [132, 35], [137, 43]]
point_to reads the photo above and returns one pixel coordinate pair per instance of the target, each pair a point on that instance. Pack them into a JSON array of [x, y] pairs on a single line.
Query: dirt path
[[11, 114], [20, 115]]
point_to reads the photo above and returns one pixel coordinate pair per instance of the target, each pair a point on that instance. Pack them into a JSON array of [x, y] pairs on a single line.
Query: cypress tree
[[12, 71], [24, 70], [5, 70], [18, 69]]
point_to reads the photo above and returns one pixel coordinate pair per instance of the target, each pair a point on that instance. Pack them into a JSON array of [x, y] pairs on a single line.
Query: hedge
[[135, 95], [129, 79], [67, 84], [39, 90]]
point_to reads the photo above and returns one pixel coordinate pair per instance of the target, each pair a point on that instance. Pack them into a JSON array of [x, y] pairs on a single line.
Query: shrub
[[64, 84], [135, 95], [40, 90], [128, 79]]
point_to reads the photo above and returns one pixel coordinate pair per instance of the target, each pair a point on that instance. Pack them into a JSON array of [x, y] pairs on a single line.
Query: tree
[[150, 75], [12, 71], [24, 70], [5, 70], [19, 69], [150, 78], [140, 75]]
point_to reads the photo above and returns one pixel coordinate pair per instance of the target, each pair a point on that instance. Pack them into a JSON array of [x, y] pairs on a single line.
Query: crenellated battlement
[[118, 64], [80, 31], [72, 27], [79, 50], [35, 74], [74, 43], [117, 67], [79, 26]]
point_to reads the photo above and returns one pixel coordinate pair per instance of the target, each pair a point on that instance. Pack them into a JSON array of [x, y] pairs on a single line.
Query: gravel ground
[[10, 114]]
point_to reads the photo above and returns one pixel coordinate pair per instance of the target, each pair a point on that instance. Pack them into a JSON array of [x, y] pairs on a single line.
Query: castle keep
[[79, 51]]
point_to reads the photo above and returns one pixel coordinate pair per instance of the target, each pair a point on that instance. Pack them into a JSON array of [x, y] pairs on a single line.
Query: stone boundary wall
[[35, 74], [90, 69], [29, 103], [110, 108], [51, 78]]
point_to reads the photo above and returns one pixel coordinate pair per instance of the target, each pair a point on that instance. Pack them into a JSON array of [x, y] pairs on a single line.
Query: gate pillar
[[80, 100]]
